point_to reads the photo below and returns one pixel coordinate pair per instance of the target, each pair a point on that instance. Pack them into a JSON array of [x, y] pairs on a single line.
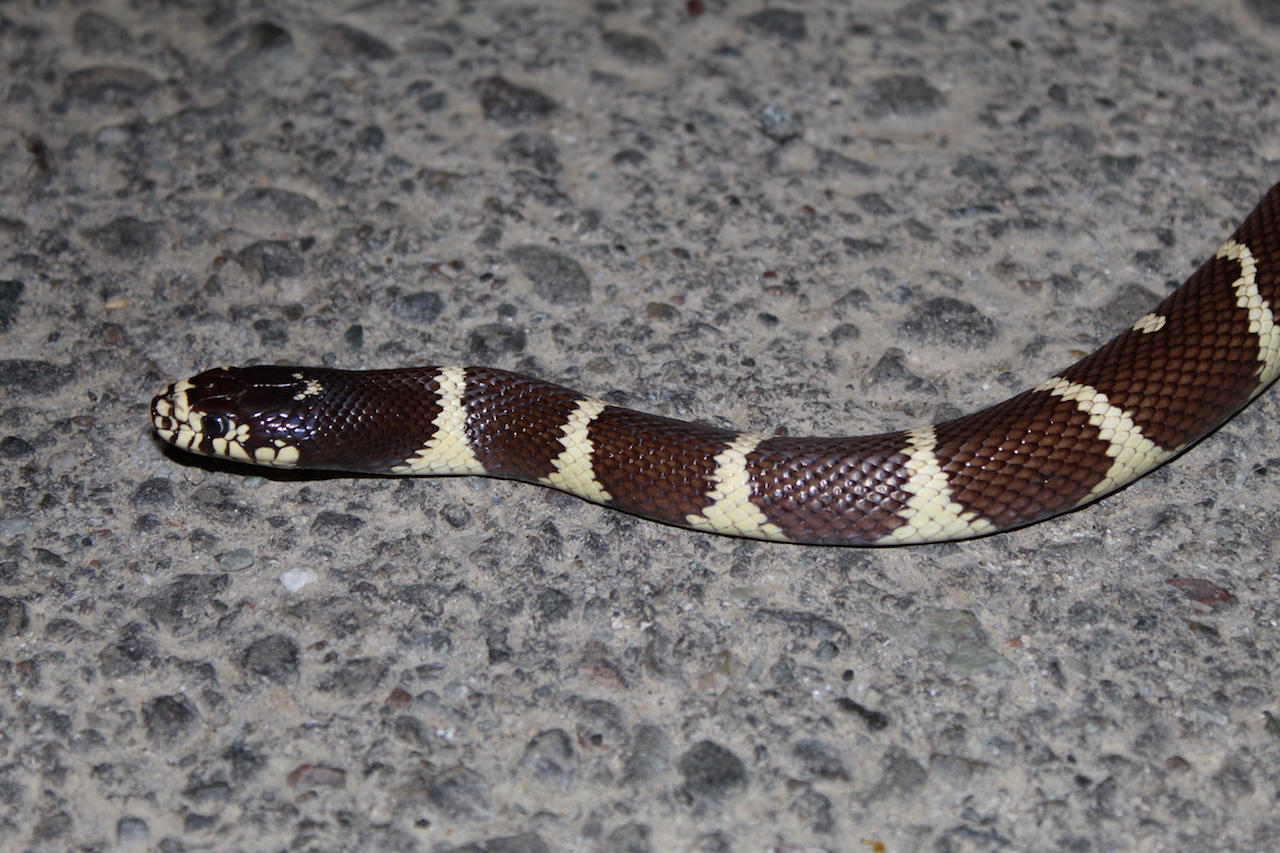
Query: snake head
[[246, 414]]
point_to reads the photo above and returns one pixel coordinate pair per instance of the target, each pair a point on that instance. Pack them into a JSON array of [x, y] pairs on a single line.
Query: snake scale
[[1161, 385]]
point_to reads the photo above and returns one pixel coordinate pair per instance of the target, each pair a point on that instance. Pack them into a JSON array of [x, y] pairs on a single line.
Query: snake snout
[[162, 410]]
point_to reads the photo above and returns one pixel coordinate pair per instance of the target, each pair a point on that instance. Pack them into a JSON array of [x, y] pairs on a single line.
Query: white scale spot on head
[[930, 513], [281, 456], [162, 420], [447, 451], [574, 472], [237, 451], [186, 438], [182, 429], [310, 389], [731, 509], [231, 445], [181, 404], [1150, 323]]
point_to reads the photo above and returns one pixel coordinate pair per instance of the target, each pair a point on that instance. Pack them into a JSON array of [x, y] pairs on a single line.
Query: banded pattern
[[1154, 390]]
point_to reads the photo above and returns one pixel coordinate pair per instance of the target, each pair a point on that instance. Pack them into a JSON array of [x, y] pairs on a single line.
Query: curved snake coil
[[1161, 385]]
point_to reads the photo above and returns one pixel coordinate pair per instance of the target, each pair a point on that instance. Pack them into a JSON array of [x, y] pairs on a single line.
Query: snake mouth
[[173, 418], [162, 419]]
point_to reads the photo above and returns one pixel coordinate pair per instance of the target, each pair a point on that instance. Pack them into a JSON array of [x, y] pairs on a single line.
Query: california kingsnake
[[1174, 376]]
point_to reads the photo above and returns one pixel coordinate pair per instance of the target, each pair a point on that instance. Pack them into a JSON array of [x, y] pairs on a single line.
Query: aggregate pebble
[[536, 150], [550, 757], [945, 319], [236, 560], [96, 33], [556, 277], [902, 778], [778, 124], [354, 678], [903, 94], [492, 342], [28, 376], [786, 24], [711, 771], [157, 491], [330, 523], [14, 617], [110, 85], [185, 598], [11, 292], [14, 527], [132, 831], [633, 48], [422, 307], [274, 658], [629, 838], [270, 260], [128, 238], [270, 206], [344, 42], [458, 793], [168, 719], [649, 755], [524, 843], [510, 105], [295, 580]]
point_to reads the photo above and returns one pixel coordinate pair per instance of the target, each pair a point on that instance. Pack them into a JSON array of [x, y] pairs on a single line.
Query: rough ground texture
[[818, 217]]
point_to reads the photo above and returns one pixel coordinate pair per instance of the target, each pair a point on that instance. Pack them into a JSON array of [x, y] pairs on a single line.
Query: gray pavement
[[825, 218]]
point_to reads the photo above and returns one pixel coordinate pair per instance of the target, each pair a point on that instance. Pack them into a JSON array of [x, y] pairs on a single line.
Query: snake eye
[[214, 426]]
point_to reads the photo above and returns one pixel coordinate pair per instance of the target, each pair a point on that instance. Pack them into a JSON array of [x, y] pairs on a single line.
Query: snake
[[1175, 375]]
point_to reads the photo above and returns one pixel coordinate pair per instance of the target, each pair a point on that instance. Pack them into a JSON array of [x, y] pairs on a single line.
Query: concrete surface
[[819, 217]]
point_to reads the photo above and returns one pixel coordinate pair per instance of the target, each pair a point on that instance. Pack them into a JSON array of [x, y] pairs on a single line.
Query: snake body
[[1158, 387]]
